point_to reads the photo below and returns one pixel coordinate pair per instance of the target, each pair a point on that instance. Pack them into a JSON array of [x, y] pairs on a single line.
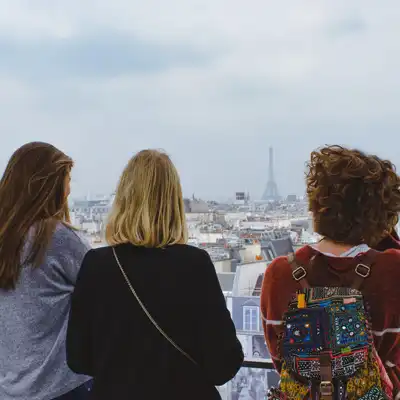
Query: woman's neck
[[328, 246]]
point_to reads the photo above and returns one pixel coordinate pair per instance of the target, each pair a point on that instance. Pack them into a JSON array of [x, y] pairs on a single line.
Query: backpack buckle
[[363, 270], [326, 388], [299, 273]]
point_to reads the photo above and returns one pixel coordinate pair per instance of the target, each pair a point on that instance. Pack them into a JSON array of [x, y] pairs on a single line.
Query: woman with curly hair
[[355, 201]]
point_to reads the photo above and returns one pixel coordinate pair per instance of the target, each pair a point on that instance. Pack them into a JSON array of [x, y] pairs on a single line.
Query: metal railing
[[258, 363]]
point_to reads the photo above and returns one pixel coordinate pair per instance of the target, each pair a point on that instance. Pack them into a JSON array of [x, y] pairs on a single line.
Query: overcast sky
[[213, 82]]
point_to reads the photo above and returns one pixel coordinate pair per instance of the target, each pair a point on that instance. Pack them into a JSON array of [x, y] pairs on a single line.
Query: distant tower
[[271, 191]]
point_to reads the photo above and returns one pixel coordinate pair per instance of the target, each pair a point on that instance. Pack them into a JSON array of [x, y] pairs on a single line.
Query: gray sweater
[[33, 324]]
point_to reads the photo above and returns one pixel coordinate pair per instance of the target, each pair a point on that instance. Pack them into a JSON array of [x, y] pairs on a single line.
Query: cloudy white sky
[[213, 82]]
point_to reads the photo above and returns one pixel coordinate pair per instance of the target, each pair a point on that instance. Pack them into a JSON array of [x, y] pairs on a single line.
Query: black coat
[[110, 337]]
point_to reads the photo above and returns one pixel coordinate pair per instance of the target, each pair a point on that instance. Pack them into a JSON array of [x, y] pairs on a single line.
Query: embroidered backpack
[[326, 346]]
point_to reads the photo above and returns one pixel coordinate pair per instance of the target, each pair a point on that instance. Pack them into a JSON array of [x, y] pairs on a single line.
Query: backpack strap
[[299, 271], [326, 386], [363, 268]]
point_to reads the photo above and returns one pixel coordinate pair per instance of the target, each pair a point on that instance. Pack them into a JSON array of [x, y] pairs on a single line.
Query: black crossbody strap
[[152, 320]]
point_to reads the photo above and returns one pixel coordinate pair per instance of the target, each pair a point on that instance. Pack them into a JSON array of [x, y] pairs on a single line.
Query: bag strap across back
[[299, 271], [361, 271], [152, 320], [363, 268]]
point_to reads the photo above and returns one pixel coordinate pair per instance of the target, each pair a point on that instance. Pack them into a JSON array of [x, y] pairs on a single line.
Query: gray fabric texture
[[33, 323]]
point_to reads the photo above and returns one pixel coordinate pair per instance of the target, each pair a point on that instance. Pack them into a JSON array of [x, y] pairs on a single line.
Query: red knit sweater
[[381, 291]]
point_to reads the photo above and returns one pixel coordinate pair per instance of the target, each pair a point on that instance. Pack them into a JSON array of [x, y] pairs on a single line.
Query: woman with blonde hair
[[40, 255], [148, 317]]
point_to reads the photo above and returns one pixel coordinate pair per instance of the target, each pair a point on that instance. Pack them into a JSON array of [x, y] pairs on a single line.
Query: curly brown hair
[[354, 197]]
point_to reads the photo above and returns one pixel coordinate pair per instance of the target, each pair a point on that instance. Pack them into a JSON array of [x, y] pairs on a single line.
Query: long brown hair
[[32, 195]]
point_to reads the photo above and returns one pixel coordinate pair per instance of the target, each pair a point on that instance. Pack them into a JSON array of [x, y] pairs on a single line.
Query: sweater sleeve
[[67, 253], [220, 352], [387, 343], [383, 305], [386, 332], [79, 357], [276, 293]]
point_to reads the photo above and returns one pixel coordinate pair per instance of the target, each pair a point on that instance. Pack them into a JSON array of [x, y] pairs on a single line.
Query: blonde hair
[[148, 208]]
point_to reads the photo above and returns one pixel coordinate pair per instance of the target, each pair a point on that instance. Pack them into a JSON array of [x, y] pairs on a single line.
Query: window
[[251, 320]]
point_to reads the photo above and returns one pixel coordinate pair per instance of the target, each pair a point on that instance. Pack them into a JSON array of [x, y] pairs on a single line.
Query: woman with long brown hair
[[148, 316], [40, 255]]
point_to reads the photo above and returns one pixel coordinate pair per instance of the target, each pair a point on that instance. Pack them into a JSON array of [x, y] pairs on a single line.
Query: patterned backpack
[[326, 345]]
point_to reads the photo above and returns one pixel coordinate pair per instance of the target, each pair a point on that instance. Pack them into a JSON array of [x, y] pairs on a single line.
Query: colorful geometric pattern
[[334, 321], [373, 394], [293, 389]]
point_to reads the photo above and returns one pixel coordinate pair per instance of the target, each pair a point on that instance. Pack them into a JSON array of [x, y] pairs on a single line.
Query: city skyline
[[214, 83]]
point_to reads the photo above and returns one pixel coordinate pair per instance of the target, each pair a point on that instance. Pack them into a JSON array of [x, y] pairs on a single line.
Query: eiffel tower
[[271, 191]]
